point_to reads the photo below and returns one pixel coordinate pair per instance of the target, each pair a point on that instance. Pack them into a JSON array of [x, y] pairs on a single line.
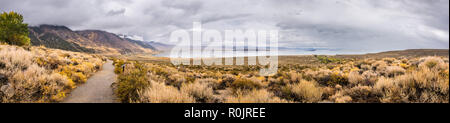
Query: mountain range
[[91, 41]]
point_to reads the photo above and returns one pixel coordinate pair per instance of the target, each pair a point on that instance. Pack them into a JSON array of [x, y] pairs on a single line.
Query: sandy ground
[[97, 89]]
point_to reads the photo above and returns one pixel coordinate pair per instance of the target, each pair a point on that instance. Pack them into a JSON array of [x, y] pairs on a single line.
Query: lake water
[[280, 53]]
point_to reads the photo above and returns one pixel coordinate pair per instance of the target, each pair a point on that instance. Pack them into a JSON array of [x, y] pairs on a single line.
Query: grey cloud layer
[[342, 24]]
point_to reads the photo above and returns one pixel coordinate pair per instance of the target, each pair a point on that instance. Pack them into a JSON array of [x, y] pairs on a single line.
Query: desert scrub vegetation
[[326, 60], [246, 84], [254, 96], [201, 91], [130, 81], [138, 83], [161, 93], [305, 91], [38, 74], [339, 80]]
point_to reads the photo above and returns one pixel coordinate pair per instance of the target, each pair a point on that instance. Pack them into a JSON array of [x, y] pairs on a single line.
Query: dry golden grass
[[305, 91], [339, 97], [160, 93], [255, 96], [358, 80], [355, 78], [201, 91], [427, 84], [38, 74]]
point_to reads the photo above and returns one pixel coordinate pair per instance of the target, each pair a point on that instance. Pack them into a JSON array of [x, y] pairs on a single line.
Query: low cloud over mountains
[[342, 24]]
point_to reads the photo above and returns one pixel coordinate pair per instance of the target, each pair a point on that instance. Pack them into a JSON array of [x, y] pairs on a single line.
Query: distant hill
[[143, 44], [402, 53], [412, 53], [160, 46], [50, 38], [92, 41]]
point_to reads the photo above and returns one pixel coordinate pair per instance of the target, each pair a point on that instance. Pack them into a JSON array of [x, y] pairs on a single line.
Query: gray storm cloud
[[341, 24]]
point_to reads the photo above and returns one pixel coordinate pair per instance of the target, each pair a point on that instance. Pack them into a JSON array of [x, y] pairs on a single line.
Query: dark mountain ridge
[[91, 41]]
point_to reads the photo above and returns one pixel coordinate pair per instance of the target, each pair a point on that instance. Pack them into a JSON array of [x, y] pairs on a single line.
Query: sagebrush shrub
[[39, 74], [362, 94], [355, 78], [227, 80], [433, 63], [201, 91], [305, 91], [339, 97], [255, 96], [79, 77], [379, 66], [424, 85], [15, 58], [160, 93], [392, 71], [176, 80], [350, 81], [129, 84], [213, 83], [245, 84]]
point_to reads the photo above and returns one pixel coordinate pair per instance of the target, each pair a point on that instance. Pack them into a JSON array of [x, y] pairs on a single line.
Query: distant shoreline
[[420, 52]]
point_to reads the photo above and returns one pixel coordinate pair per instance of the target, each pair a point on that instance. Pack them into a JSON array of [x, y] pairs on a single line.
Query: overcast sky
[[342, 24]]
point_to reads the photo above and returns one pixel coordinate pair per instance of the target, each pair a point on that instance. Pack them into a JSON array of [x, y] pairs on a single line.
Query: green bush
[[326, 60], [118, 66], [12, 29], [130, 83], [336, 79]]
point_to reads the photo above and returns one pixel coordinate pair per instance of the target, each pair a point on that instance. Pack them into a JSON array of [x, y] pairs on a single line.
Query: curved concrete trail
[[97, 89]]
